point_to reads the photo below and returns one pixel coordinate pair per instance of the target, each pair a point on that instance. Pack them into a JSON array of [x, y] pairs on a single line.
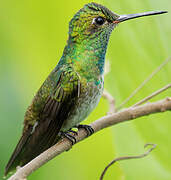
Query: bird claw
[[69, 136], [88, 129]]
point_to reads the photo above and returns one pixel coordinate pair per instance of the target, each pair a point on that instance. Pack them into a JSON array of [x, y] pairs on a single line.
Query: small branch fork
[[152, 95]]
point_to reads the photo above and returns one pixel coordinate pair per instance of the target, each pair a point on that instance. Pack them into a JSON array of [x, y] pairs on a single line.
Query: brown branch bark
[[104, 122]]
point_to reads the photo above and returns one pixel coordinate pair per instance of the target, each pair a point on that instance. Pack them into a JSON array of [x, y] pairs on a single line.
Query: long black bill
[[132, 16]]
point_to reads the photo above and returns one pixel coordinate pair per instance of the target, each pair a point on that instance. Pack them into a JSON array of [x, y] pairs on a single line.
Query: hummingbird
[[73, 88]]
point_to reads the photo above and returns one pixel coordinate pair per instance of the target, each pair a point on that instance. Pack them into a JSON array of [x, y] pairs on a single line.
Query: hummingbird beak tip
[[137, 15]]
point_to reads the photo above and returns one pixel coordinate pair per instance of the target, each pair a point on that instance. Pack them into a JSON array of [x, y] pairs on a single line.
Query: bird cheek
[[90, 30]]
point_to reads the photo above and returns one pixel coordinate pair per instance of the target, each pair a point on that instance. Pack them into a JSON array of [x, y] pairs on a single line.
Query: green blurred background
[[32, 37]]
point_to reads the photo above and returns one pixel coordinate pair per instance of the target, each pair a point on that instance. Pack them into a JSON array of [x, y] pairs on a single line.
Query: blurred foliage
[[32, 37]]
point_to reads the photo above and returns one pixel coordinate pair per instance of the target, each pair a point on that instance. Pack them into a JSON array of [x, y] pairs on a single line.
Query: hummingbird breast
[[90, 94]]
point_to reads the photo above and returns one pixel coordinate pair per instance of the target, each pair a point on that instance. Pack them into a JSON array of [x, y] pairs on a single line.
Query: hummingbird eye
[[99, 21]]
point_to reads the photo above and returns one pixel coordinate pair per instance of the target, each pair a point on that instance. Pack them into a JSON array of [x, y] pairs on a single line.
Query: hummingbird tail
[[15, 157], [32, 144]]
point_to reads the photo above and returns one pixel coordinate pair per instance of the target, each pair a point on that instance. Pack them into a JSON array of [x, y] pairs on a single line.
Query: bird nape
[[74, 88]]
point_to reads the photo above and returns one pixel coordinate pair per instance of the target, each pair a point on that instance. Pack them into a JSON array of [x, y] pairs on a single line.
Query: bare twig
[[106, 94], [152, 95], [144, 82], [126, 158], [111, 100], [104, 122]]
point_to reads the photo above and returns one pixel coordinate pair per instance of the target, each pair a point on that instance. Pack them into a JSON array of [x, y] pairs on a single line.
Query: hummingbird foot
[[69, 136], [88, 128]]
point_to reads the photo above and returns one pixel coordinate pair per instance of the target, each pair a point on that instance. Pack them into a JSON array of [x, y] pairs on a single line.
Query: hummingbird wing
[[56, 109], [57, 105]]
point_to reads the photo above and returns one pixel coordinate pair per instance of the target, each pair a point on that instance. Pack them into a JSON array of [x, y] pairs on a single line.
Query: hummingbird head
[[95, 20], [91, 21]]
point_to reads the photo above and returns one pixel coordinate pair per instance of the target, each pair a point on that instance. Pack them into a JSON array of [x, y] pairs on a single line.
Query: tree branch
[[104, 122]]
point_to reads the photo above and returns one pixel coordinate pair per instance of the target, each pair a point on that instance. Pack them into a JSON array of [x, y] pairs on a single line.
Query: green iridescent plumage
[[73, 88]]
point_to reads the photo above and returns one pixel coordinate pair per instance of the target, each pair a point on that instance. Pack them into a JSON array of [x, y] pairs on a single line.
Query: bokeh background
[[32, 37]]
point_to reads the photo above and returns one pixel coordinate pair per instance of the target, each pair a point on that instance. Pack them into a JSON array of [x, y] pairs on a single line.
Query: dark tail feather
[[14, 160], [32, 144]]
